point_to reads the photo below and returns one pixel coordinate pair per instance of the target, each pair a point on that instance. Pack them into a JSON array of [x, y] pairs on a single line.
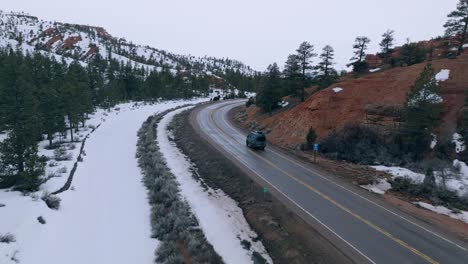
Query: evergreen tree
[[387, 43], [411, 53], [457, 25], [305, 53], [18, 108], [269, 94], [327, 74], [292, 73], [358, 60], [421, 114], [76, 96]]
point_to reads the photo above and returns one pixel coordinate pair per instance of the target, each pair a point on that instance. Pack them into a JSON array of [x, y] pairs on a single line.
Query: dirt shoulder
[[286, 236], [363, 175]]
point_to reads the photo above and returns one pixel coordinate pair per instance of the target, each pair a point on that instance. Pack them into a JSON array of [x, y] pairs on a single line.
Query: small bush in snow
[[2, 205], [71, 146], [63, 170], [7, 238], [53, 164], [61, 154], [52, 201], [245, 244], [41, 220]]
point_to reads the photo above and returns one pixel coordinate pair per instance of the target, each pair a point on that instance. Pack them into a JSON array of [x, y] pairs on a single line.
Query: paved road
[[364, 228]]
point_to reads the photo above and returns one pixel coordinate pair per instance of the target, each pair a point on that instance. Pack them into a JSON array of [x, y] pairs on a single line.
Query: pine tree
[[77, 96], [421, 114], [411, 53], [457, 25], [387, 43], [18, 108], [327, 74], [270, 89], [305, 53], [292, 73], [358, 60]]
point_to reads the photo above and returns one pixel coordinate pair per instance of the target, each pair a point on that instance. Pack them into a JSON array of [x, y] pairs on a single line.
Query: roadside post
[[316, 148], [265, 191]]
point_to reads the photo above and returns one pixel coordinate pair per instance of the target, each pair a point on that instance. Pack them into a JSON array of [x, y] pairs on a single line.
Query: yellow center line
[[326, 197]]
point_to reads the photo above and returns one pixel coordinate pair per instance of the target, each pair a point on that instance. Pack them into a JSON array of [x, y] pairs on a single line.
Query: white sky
[[257, 32]]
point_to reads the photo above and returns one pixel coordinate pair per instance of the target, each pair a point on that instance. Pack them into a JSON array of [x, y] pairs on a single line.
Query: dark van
[[256, 140]]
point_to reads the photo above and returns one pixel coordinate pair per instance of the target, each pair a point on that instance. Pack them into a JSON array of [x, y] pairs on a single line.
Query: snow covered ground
[[104, 217], [456, 183], [221, 220], [462, 216]]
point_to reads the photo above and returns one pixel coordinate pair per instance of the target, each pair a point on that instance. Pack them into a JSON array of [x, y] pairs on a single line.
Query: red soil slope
[[326, 110]]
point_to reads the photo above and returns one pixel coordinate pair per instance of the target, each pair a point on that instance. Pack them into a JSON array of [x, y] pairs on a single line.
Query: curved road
[[367, 230]]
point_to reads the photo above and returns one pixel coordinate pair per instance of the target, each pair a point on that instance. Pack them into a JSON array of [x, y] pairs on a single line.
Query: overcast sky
[[257, 32]]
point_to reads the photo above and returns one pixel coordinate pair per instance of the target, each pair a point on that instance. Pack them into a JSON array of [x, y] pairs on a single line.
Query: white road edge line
[[362, 197], [303, 209]]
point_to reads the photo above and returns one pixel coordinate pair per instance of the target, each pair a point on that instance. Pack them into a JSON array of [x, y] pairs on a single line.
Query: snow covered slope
[[84, 42], [104, 217]]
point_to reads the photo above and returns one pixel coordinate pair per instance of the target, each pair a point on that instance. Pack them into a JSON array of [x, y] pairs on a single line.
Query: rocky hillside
[[376, 98], [79, 42]]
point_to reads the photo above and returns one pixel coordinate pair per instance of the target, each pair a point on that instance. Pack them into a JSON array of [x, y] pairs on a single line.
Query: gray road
[[363, 227]]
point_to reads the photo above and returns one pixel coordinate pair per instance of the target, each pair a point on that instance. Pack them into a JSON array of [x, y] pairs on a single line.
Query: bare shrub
[[172, 222], [41, 220], [7, 238], [52, 201], [63, 170], [61, 154]]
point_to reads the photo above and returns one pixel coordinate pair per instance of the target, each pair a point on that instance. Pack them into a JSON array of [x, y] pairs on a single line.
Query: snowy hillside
[[84, 42]]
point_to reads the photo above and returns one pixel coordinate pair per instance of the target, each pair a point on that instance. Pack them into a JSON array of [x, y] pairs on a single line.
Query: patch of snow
[[433, 141], [250, 94], [3, 136], [337, 89], [465, 46], [463, 215], [457, 139], [105, 214], [396, 172], [443, 75], [221, 220], [374, 70], [380, 188], [416, 178], [460, 184], [283, 104], [457, 183]]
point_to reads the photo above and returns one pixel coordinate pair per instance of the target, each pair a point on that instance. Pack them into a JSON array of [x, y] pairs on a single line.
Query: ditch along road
[[360, 224]]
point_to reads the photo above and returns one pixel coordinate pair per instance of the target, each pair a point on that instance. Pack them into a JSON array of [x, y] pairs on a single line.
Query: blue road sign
[[316, 147]]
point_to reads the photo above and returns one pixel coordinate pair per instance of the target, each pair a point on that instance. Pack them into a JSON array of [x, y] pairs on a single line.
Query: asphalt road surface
[[366, 229]]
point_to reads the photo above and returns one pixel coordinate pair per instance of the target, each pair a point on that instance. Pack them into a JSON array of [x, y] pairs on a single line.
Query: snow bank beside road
[[462, 216], [220, 218], [104, 218]]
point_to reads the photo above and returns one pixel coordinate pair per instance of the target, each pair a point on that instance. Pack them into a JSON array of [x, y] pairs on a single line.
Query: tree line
[[300, 73], [42, 98]]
